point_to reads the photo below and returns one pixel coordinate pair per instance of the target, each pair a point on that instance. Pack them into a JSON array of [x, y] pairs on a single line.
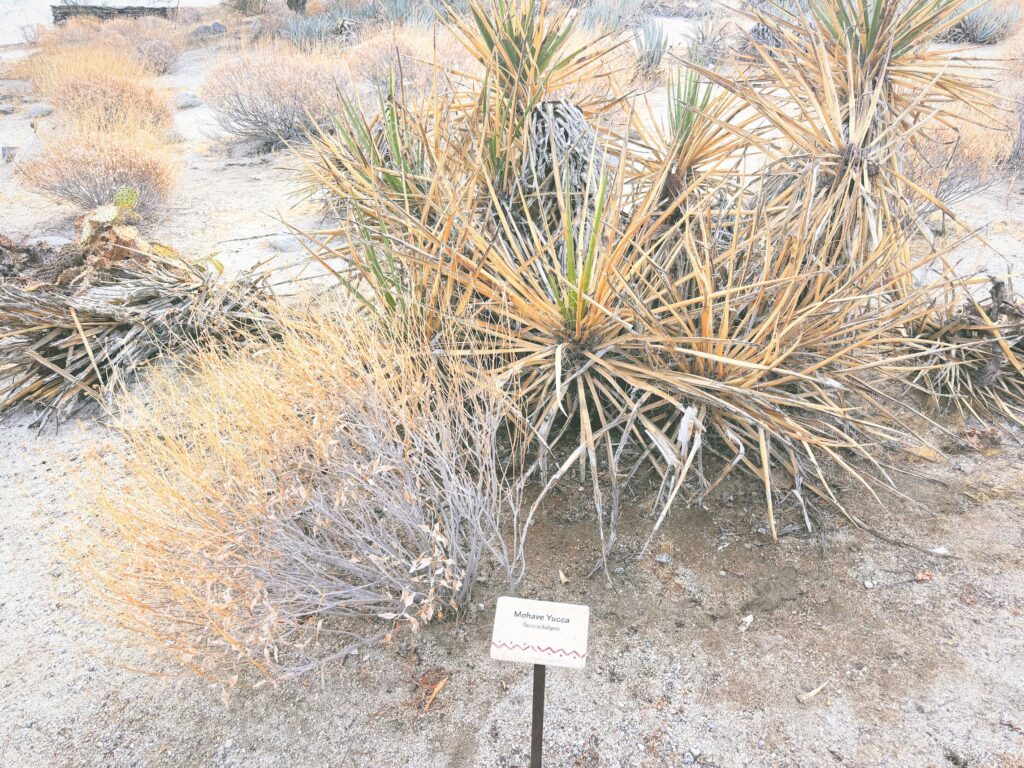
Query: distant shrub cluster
[[152, 42], [110, 123]]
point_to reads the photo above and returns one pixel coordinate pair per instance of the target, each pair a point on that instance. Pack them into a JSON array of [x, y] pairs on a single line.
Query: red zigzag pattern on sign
[[538, 648]]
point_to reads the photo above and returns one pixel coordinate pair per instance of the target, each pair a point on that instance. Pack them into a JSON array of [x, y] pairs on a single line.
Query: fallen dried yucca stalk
[[63, 346], [976, 360]]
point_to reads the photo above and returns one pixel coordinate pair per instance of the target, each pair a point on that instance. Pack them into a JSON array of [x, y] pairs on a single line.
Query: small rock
[[207, 31], [664, 559], [187, 100], [689, 759], [869, 584], [6, 109], [38, 110]]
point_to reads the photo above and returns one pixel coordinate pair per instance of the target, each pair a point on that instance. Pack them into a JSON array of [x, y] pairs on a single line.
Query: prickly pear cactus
[[126, 198]]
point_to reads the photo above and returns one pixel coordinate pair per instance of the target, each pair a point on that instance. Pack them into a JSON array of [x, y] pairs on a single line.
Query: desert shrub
[[417, 12], [156, 43], [604, 15], [157, 55], [281, 502], [651, 44], [376, 60], [709, 44], [97, 87], [354, 10], [272, 96], [311, 32], [102, 103], [984, 22], [72, 33], [611, 15], [688, 9], [87, 168], [1015, 157], [52, 68]]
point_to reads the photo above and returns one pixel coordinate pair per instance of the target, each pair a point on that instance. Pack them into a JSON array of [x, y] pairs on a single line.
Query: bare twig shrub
[[376, 60], [283, 502], [87, 168], [159, 56], [273, 96]]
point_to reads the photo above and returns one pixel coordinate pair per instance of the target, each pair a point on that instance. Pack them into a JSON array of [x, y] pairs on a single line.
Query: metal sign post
[[542, 634], [537, 725]]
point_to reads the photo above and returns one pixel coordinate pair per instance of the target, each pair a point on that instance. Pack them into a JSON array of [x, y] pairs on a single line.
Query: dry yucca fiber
[[80, 335], [976, 360]]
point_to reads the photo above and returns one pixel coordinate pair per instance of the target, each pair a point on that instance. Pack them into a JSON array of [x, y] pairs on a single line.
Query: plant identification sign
[[538, 632]]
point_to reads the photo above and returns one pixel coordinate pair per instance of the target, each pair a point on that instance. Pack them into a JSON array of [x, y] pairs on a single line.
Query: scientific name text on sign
[[538, 632]]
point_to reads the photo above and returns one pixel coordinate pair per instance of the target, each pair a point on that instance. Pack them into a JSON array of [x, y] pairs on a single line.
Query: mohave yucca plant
[[848, 104], [654, 307]]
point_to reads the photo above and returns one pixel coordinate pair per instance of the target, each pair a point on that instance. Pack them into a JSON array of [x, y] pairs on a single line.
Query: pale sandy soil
[[923, 655]]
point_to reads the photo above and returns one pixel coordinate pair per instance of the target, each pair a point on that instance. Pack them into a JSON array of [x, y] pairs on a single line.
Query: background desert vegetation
[[653, 257]]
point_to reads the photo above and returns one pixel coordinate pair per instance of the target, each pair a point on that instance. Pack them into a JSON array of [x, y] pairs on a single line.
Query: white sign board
[[538, 632]]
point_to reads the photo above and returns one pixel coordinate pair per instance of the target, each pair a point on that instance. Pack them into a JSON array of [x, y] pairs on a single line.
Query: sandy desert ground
[[921, 655]]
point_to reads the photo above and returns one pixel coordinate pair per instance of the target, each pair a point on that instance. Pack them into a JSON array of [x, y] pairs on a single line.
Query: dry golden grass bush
[[111, 104], [53, 67], [72, 33], [273, 94], [97, 86], [87, 168], [154, 43], [279, 502], [158, 55]]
